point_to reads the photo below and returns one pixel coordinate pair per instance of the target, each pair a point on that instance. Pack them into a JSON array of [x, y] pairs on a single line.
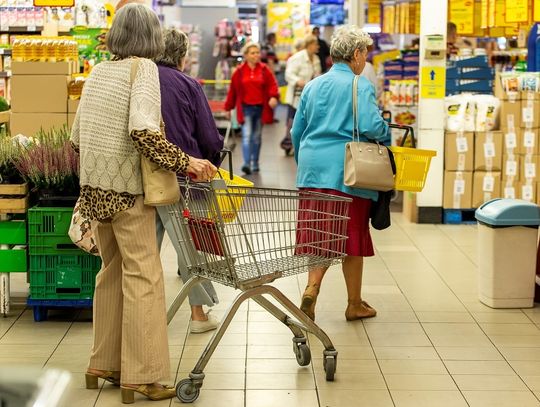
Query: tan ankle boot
[[309, 299], [358, 310]]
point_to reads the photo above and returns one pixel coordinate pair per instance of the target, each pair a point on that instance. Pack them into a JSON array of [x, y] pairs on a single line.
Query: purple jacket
[[188, 119]]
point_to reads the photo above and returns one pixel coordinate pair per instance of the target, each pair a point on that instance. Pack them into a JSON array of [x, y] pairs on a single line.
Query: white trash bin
[[507, 244]]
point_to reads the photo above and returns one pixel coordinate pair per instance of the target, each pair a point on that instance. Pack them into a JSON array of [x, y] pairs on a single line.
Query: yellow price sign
[[517, 11], [374, 12], [462, 15], [484, 23], [433, 82], [54, 3], [536, 10]]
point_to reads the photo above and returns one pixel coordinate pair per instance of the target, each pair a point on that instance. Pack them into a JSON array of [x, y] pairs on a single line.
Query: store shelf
[[26, 29]]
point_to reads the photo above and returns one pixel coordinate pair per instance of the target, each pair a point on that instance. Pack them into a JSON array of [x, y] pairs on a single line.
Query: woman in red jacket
[[254, 93]]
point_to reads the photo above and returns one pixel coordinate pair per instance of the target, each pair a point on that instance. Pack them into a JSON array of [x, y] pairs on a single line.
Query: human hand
[[200, 170], [273, 102]]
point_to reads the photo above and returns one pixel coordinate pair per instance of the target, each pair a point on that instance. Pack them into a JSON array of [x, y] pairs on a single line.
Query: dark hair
[[270, 36]]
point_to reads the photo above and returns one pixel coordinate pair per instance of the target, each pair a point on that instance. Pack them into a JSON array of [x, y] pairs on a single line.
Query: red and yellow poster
[[290, 21]]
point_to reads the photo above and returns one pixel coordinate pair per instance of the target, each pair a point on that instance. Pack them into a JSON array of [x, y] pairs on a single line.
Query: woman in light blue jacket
[[321, 128]]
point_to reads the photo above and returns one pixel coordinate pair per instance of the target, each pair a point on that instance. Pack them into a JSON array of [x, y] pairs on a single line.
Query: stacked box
[[470, 75], [458, 187], [39, 96]]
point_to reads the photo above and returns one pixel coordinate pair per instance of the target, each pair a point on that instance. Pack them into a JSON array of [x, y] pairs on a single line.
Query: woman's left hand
[[273, 102]]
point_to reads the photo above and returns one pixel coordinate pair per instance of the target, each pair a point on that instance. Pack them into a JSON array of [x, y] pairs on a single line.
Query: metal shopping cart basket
[[412, 164], [275, 233], [216, 94]]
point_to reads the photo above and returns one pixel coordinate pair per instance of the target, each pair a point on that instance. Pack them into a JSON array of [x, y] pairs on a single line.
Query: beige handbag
[[367, 164], [160, 186]]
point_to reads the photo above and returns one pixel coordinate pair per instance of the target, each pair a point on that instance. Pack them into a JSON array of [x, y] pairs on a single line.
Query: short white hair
[[248, 46], [346, 40]]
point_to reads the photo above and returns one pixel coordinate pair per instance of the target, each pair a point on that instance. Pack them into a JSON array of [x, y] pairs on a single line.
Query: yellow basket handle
[[408, 131]]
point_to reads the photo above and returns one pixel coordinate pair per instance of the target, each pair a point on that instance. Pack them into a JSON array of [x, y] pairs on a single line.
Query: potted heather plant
[[10, 152], [52, 167]]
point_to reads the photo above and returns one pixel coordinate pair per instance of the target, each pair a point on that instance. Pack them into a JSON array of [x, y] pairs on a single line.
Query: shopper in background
[[117, 122], [301, 68], [451, 39], [322, 126], [189, 125], [254, 93], [268, 53], [324, 49]]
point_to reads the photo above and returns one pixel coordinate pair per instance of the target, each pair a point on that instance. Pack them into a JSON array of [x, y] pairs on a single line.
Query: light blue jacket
[[323, 125]]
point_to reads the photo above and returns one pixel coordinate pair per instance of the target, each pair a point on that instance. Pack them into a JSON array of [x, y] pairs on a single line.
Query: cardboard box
[[30, 123], [501, 93], [527, 141], [459, 151], [4, 116], [510, 167], [529, 95], [488, 152], [486, 186], [510, 115], [410, 210], [527, 191], [528, 168], [530, 114], [457, 190], [44, 68], [39, 94], [509, 189], [73, 105]]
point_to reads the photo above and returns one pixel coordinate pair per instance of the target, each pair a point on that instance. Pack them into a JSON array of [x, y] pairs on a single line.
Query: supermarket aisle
[[432, 343]]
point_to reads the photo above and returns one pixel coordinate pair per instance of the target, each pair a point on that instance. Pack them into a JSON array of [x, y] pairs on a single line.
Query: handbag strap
[[356, 130]]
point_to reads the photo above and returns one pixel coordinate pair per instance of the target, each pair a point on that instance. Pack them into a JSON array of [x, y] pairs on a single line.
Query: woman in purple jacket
[[190, 125]]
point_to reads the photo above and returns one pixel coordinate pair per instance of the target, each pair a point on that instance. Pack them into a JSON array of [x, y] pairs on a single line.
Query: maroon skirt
[[359, 239]]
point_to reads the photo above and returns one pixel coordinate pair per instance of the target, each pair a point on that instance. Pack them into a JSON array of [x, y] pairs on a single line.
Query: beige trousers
[[130, 324]]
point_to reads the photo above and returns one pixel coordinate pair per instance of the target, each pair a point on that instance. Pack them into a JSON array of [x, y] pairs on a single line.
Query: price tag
[[510, 140], [528, 114], [527, 192], [528, 139], [510, 193], [31, 28], [530, 170], [510, 121], [462, 158], [461, 144], [489, 150], [489, 184], [459, 187], [511, 168]]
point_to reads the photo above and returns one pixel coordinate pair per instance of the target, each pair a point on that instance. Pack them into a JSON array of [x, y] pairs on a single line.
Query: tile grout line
[[14, 321]]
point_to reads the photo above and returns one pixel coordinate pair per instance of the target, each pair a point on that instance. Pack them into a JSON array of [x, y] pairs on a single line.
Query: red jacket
[[234, 97]]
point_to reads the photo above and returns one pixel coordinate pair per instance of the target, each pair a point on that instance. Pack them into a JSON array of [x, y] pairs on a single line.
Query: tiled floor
[[432, 344]]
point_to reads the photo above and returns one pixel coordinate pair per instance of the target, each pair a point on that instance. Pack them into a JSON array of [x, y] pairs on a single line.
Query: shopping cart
[[274, 233], [216, 94]]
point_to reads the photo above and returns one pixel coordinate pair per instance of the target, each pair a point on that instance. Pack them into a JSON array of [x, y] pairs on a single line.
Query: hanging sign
[[492, 6], [517, 11], [537, 10], [484, 13], [462, 15], [54, 3], [374, 12], [433, 85]]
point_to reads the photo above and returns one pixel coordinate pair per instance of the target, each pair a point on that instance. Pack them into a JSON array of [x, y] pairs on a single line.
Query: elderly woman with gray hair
[[189, 124], [319, 145], [117, 122]]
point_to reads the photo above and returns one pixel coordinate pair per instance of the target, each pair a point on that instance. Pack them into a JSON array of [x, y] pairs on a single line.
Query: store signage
[[517, 11], [484, 14], [536, 10], [433, 81], [54, 3], [462, 15], [374, 12]]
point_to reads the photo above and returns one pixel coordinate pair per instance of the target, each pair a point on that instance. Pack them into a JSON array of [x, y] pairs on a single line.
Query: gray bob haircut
[[346, 40], [176, 47], [135, 32]]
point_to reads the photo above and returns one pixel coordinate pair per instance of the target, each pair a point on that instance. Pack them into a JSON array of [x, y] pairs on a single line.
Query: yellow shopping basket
[[412, 164], [230, 201]]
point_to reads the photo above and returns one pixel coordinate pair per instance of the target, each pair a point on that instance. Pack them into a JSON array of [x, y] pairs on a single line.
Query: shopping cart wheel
[[329, 364], [302, 353], [186, 391]]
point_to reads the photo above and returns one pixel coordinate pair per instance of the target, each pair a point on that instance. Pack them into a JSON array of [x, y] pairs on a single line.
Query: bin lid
[[508, 212]]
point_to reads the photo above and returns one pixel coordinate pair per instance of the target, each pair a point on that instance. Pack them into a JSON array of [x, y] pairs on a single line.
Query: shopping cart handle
[[224, 153], [408, 131]]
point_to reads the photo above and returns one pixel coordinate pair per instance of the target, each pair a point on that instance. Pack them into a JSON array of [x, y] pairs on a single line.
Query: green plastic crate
[[13, 261], [63, 276], [48, 231], [13, 232]]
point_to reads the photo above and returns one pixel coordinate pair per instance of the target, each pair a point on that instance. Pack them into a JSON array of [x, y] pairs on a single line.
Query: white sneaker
[[198, 327]]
